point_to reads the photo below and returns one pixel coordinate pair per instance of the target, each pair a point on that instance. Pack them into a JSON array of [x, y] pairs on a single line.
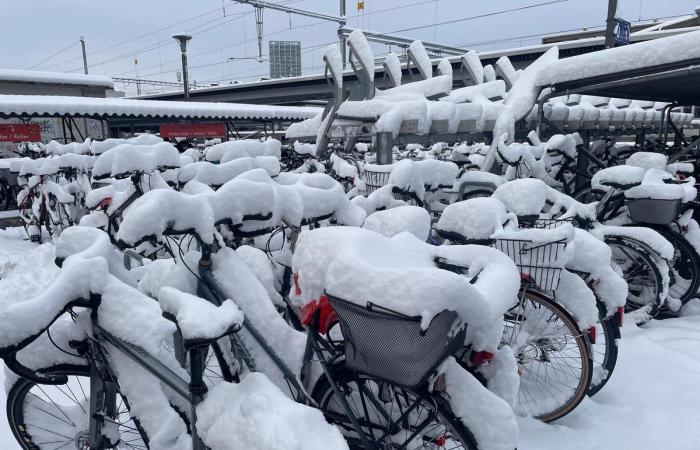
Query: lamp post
[[183, 38]]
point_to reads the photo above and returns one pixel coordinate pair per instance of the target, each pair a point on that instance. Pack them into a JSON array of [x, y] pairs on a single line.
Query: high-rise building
[[285, 59]]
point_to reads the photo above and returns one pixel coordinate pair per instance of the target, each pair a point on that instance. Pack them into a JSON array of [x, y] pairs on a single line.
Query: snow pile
[[622, 176], [474, 219], [217, 174], [647, 160], [56, 148], [254, 414], [163, 210], [304, 149], [485, 91], [520, 100], [125, 159], [305, 128], [393, 66], [362, 51], [198, 318], [390, 222], [420, 57], [485, 414], [524, 197], [651, 53], [359, 265], [228, 151], [380, 199], [421, 176], [472, 63]]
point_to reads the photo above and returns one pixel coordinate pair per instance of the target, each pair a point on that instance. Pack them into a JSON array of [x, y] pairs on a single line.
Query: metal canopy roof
[[678, 82], [106, 108]]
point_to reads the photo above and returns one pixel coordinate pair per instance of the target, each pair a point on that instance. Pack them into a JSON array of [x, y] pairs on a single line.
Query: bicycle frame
[[104, 386]]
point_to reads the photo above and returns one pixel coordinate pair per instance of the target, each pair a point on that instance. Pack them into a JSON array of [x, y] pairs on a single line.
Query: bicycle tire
[[686, 262], [15, 408], [643, 277], [323, 393], [609, 331], [545, 348]]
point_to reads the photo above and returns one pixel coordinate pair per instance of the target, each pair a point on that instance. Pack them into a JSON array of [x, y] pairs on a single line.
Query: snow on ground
[[651, 402], [12, 247]]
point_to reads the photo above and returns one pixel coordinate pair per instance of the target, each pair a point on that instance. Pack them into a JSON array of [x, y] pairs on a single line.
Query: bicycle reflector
[[620, 315], [327, 316], [104, 204], [592, 334], [480, 358]]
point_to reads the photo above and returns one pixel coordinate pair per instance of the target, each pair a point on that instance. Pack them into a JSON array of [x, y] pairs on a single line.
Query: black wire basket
[[539, 261], [375, 180], [393, 347]]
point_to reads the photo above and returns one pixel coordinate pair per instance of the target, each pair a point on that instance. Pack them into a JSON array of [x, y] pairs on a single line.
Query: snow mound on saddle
[[127, 158], [391, 222], [228, 151]]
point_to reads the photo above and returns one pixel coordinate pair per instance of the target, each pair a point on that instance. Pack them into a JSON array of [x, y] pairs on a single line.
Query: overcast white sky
[[118, 32]]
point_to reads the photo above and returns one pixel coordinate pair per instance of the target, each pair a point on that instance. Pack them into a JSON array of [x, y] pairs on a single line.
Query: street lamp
[[183, 38]]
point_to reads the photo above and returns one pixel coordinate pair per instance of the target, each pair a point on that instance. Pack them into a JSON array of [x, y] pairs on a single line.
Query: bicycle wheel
[[44, 417], [553, 355], [587, 195], [428, 422], [644, 280], [604, 350], [684, 268]]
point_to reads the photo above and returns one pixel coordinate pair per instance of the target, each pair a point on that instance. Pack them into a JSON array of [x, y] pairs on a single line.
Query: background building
[[285, 59]]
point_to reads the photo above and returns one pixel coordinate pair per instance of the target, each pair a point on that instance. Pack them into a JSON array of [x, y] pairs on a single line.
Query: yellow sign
[[360, 5]]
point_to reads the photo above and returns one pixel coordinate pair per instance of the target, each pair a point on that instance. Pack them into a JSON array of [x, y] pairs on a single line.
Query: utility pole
[[183, 39], [82, 44], [610, 24]]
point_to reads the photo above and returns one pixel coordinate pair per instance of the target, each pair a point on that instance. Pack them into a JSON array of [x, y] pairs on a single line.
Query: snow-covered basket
[[538, 253], [376, 176], [394, 347], [653, 211]]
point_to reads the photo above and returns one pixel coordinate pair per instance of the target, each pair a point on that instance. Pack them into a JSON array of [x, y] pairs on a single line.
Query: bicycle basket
[[539, 261], [653, 211], [542, 224], [375, 179], [393, 347]]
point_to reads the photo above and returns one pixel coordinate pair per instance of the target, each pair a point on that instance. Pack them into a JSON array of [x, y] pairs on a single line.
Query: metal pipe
[[288, 9], [82, 45], [183, 39], [610, 24], [385, 38]]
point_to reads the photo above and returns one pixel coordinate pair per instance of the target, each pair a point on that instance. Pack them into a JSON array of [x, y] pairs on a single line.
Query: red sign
[[20, 132], [200, 130]]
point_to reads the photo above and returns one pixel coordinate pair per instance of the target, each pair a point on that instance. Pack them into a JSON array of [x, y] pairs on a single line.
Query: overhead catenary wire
[[135, 38], [305, 25], [48, 58]]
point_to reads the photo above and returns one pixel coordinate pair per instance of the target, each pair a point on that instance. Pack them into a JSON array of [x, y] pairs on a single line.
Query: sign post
[[30, 132], [622, 31]]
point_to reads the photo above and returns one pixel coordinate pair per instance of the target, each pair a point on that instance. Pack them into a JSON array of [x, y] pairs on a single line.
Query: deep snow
[[651, 402]]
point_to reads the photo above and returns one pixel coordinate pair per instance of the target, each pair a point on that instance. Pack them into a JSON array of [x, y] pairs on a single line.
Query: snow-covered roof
[[643, 55], [43, 105], [30, 76]]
